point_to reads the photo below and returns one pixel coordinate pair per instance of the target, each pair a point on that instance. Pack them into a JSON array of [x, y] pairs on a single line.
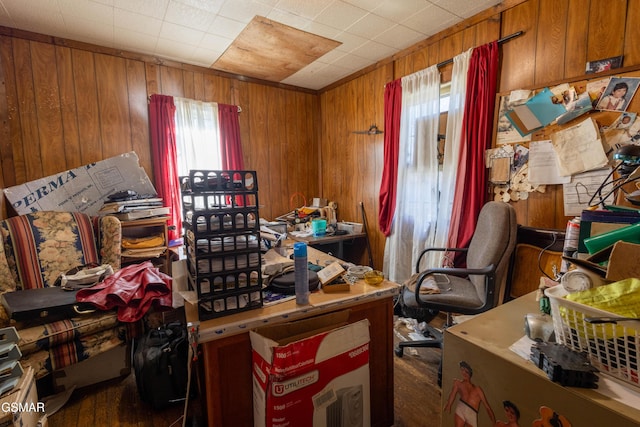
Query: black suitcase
[[160, 363], [44, 305]]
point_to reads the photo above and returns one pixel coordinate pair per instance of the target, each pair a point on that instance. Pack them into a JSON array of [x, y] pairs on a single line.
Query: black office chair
[[471, 290]]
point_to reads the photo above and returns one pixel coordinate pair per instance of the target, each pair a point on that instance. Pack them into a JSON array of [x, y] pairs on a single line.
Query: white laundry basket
[[612, 348]]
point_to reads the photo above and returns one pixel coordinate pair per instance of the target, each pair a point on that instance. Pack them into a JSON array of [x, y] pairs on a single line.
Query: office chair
[[471, 290]]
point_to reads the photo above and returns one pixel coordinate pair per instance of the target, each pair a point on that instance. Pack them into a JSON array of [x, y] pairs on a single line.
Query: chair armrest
[[439, 250], [110, 241]]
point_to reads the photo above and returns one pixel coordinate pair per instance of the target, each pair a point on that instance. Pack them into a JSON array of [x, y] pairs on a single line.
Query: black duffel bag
[[160, 363]]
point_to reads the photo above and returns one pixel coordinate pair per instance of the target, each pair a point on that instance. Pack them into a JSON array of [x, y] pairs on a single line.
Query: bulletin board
[[564, 134]]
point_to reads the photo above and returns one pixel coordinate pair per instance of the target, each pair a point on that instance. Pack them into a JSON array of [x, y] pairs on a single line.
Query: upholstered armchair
[[36, 248]]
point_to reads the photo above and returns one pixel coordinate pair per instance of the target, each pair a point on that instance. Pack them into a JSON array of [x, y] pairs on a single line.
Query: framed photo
[[604, 64], [618, 93]]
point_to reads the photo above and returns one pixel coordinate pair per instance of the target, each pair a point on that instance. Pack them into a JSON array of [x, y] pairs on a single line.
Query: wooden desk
[[484, 343], [226, 349], [330, 240]]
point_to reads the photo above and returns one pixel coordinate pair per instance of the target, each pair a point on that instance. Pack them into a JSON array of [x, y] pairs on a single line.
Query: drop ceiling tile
[[181, 34], [464, 8], [370, 26], [399, 37], [210, 6], [374, 51], [322, 30], [349, 41], [244, 10], [84, 9], [194, 18], [398, 11], [214, 43], [204, 57], [354, 62], [341, 15], [153, 8], [432, 19], [144, 24], [225, 27], [289, 19], [89, 31], [307, 9], [126, 39], [368, 4], [174, 49]]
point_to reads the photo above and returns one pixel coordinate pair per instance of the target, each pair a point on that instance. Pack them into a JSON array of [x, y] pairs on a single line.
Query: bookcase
[[154, 232], [222, 240]]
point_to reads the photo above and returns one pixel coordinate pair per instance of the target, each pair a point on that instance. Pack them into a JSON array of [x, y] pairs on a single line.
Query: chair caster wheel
[[399, 351]]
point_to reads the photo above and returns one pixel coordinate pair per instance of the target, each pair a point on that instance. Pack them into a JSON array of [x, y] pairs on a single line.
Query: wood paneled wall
[[64, 104], [560, 36], [64, 107]]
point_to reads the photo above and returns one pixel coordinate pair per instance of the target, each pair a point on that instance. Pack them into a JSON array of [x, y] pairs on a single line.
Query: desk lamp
[[628, 157]]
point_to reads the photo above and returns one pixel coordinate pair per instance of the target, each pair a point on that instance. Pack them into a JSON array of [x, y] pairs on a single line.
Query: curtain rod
[[500, 41]]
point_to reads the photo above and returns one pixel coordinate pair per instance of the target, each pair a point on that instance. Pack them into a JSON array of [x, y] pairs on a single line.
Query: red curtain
[[230, 145], [387, 197], [477, 128], [163, 156]]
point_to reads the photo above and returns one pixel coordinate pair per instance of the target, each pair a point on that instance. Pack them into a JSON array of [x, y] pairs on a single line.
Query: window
[[197, 135]]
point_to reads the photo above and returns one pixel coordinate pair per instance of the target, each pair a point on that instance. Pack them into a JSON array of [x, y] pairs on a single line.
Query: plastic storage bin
[[222, 239], [612, 348]]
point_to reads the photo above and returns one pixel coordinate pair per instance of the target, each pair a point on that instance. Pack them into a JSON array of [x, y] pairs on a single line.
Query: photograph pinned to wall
[[582, 106], [520, 157], [624, 130], [507, 133], [596, 89], [618, 94], [603, 65], [538, 112]]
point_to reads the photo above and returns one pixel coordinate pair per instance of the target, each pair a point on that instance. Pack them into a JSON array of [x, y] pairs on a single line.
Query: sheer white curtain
[[416, 212], [197, 135], [451, 152]]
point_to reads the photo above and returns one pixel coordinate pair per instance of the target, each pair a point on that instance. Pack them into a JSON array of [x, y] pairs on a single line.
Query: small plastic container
[[319, 227]]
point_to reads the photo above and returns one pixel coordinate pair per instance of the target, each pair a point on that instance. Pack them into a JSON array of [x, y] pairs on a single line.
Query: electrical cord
[[542, 251]]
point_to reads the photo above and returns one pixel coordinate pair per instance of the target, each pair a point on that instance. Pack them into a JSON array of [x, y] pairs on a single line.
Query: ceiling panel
[[199, 32]]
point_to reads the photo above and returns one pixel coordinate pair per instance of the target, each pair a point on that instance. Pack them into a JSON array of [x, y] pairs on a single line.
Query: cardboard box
[[624, 261], [113, 363], [83, 189], [312, 372], [20, 407]]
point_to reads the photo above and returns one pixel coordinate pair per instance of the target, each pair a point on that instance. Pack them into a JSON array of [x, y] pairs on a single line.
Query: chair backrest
[[39, 246], [493, 242]]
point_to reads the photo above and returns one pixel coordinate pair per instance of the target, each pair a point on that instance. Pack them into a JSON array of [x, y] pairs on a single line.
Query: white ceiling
[[198, 31]]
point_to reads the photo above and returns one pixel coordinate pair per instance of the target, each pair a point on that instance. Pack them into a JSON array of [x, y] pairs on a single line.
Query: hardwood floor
[[116, 402]]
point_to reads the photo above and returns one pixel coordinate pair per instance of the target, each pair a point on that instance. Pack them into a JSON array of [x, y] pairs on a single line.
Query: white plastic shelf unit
[[222, 239]]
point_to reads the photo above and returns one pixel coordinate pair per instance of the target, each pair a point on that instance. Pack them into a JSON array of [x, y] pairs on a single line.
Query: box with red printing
[[312, 372]]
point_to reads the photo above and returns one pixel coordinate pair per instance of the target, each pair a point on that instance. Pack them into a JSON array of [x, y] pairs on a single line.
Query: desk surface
[[326, 239], [496, 330], [319, 302]]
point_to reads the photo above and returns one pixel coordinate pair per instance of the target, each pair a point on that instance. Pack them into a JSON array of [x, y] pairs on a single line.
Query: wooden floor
[[116, 402]]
